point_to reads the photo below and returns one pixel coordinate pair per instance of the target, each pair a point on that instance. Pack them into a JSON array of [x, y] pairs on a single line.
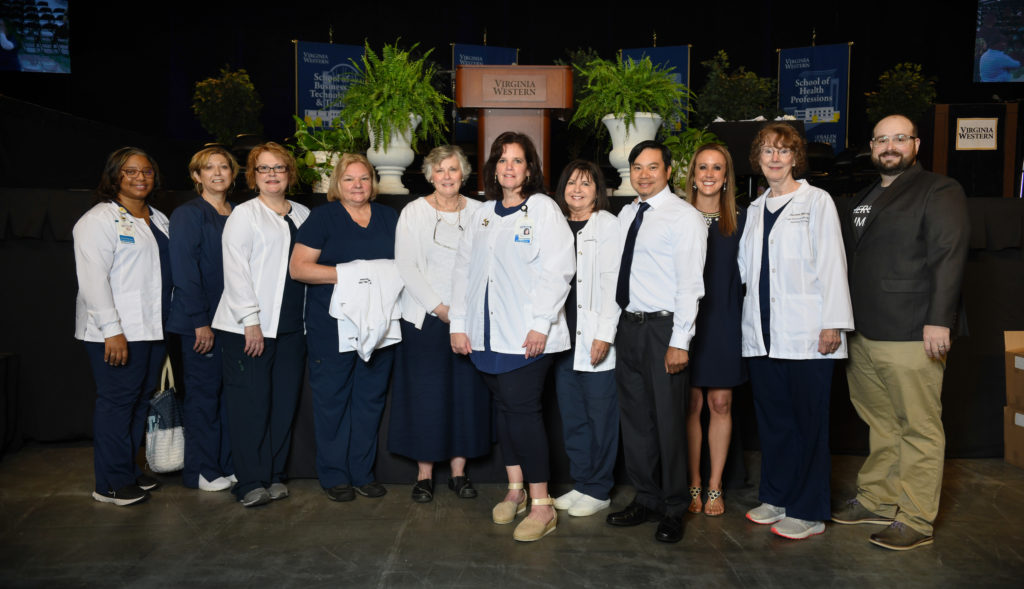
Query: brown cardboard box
[[1014, 345], [1013, 436]]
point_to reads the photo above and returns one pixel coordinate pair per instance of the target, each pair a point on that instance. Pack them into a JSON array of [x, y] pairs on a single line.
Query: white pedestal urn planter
[[644, 127], [391, 163]]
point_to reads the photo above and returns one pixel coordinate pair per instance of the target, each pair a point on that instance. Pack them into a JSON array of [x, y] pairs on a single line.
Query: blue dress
[[716, 358]]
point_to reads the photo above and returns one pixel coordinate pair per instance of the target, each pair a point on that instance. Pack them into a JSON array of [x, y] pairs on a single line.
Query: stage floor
[[52, 534]]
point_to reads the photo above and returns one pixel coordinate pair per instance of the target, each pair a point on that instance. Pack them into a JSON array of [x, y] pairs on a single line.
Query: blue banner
[[677, 57], [482, 55], [321, 73], [813, 87]]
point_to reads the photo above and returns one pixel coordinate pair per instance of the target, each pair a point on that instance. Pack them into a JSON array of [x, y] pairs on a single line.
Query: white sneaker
[[766, 513], [566, 501], [587, 505], [217, 484], [798, 529]]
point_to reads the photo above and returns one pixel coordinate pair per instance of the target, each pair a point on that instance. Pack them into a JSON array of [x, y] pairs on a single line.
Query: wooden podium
[[514, 98]]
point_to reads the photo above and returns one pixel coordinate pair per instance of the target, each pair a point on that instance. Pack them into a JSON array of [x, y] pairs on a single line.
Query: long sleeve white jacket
[[256, 252], [525, 283], [598, 253], [117, 260]]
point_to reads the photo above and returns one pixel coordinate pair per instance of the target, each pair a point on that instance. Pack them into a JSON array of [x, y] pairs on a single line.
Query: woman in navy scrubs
[[795, 312], [198, 269], [258, 326], [585, 374], [512, 272], [348, 392], [124, 291]]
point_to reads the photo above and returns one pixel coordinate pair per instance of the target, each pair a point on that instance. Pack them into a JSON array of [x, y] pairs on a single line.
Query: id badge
[[524, 233], [125, 230]]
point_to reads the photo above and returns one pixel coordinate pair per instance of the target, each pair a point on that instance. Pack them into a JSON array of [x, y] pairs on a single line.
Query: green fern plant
[[386, 90], [624, 88]]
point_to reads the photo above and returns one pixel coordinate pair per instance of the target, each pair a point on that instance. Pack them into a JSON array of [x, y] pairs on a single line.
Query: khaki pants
[[896, 390]]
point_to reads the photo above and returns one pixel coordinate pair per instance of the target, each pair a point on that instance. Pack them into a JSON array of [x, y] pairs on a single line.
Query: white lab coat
[[117, 260], [365, 303], [414, 236], [256, 254], [526, 283], [807, 277], [598, 253]]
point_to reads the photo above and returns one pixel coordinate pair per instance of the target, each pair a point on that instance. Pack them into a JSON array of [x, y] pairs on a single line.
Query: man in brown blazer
[[906, 244]]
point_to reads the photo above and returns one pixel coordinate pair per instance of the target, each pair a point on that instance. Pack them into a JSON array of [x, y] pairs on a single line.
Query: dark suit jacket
[[905, 270]]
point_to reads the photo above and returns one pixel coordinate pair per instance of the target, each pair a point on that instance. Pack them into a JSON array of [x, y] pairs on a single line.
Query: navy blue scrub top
[[197, 264], [165, 272], [331, 230]]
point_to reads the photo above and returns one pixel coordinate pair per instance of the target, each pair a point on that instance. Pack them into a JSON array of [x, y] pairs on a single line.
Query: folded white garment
[[365, 303]]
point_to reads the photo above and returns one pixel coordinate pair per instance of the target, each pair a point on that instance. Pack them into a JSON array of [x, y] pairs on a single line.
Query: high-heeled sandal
[[506, 511], [695, 503], [530, 530], [714, 495]]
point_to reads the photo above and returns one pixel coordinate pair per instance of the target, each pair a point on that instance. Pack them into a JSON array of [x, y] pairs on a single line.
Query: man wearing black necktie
[[661, 280]]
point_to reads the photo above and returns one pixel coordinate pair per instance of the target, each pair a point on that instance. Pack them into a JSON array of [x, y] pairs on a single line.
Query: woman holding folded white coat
[[348, 392], [259, 327]]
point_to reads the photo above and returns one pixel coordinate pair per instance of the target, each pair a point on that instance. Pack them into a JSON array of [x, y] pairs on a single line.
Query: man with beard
[[906, 245]]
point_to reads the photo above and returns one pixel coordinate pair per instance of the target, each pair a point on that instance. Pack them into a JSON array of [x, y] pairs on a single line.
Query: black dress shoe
[[462, 487], [633, 515], [341, 493], [423, 491], [670, 529]]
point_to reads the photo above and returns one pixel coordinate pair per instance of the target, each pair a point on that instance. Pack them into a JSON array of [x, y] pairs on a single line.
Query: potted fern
[[392, 104], [317, 148], [631, 99]]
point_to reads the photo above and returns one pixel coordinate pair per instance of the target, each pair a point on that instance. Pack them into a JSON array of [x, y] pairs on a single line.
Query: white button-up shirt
[[667, 273]]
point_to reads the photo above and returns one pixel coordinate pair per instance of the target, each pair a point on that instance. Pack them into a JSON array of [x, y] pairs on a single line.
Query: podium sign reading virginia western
[[813, 87], [321, 72]]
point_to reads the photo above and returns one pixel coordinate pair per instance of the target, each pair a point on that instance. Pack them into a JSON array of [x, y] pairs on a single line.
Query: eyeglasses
[[278, 169], [900, 139], [133, 172], [770, 151], [447, 235]]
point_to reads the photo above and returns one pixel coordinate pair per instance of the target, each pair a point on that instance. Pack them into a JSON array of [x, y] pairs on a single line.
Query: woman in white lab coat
[[124, 286], [511, 277], [795, 312]]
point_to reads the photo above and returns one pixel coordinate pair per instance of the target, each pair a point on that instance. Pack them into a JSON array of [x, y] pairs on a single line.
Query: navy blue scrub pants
[[207, 445], [122, 404], [348, 403], [520, 423], [589, 404], [262, 394], [791, 400]]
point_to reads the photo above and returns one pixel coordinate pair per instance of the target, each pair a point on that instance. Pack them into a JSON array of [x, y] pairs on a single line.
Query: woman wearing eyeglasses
[[440, 408], [260, 327], [124, 292], [795, 311], [345, 254]]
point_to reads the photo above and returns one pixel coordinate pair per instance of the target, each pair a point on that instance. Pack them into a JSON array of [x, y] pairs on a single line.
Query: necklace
[[438, 210], [709, 218]]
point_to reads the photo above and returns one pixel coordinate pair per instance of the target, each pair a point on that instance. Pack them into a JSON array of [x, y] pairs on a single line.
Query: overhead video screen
[[34, 36], [999, 41]]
